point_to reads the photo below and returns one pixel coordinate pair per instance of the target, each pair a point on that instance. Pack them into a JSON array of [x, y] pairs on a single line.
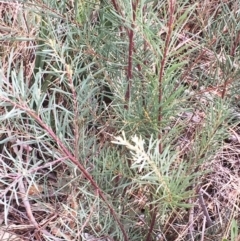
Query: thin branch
[[209, 222], [118, 10], [130, 53], [203, 229], [191, 214], [25, 200], [153, 213], [27, 204]]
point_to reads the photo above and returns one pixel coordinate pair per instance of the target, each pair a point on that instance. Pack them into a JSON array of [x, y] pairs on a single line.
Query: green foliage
[[123, 168], [234, 230]]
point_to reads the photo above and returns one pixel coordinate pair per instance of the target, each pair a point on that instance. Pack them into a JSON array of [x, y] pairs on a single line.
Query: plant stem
[[163, 62]]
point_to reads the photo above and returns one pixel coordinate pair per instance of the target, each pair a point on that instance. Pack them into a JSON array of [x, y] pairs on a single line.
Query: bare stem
[[153, 213], [130, 53], [118, 10], [209, 222]]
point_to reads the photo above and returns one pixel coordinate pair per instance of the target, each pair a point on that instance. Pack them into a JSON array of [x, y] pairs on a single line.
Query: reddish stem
[[153, 213], [118, 10], [130, 53]]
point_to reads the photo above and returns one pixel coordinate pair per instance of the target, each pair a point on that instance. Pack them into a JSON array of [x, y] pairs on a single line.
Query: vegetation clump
[[119, 120]]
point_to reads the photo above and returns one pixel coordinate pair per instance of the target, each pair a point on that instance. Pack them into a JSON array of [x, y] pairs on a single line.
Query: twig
[[153, 212], [27, 204], [203, 229], [130, 53], [191, 213], [24, 196], [29, 210], [209, 222], [118, 10]]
